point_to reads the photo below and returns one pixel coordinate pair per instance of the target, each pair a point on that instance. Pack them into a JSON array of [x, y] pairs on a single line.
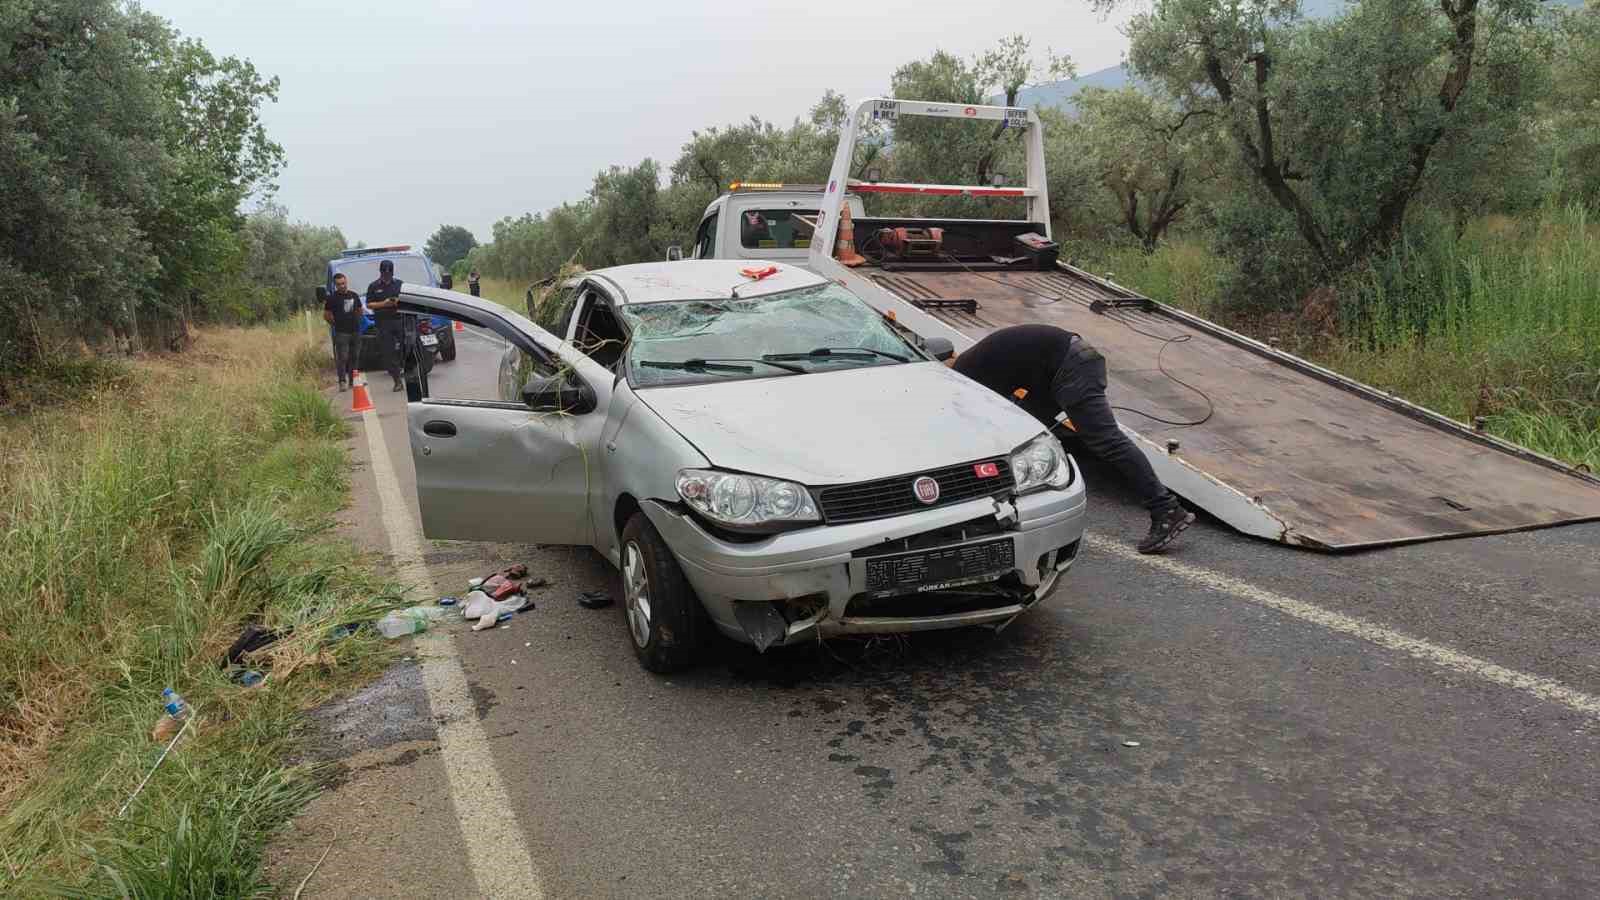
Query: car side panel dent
[[641, 458]]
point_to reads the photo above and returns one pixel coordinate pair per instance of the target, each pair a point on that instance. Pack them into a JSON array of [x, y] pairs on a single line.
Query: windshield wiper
[[717, 365], [838, 353]]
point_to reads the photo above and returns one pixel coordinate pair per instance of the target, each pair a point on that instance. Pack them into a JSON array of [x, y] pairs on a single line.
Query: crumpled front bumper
[[815, 574]]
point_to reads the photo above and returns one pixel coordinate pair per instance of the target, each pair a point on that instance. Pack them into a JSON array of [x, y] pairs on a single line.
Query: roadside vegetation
[[144, 525], [135, 197]]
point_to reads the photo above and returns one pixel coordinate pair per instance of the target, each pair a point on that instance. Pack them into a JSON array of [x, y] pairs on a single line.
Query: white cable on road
[[500, 860], [1444, 657]]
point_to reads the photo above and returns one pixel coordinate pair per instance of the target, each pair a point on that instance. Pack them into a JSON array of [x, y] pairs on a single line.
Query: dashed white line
[[500, 860], [1543, 688]]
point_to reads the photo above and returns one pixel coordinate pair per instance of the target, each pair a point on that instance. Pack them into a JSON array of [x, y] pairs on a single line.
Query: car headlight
[[746, 501], [1041, 463]]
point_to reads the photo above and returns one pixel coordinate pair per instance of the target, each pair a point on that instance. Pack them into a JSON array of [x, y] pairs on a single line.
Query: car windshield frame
[[654, 326], [368, 266]]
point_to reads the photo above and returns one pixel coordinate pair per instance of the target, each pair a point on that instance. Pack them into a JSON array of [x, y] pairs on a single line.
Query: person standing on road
[[342, 312], [383, 298], [472, 282], [1061, 373]]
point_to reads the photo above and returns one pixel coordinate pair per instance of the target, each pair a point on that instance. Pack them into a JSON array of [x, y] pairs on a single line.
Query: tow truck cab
[[755, 221], [360, 267]]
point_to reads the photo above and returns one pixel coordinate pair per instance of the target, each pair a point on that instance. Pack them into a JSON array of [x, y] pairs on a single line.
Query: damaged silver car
[[765, 457]]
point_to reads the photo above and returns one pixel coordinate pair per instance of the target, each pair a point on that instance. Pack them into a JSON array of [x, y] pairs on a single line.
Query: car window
[[516, 367], [363, 271], [773, 229], [794, 322], [600, 334], [706, 238]]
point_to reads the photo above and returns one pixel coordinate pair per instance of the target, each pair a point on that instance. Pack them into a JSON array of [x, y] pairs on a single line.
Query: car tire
[[447, 347], [668, 629]]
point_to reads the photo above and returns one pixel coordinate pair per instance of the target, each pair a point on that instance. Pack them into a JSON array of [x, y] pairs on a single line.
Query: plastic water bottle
[[414, 620], [174, 703]]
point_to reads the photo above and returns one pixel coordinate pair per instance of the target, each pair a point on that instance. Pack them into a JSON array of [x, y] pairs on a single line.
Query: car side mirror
[[674, 253], [322, 295], [448, 281], [940, 348], [559, 394]]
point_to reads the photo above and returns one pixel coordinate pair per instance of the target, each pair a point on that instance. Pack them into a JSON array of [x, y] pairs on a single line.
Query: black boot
[[1165, 526]]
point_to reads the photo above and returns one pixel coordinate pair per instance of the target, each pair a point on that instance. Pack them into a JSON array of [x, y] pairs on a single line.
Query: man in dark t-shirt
[[1060, 373], [343, 311], [383, 298]]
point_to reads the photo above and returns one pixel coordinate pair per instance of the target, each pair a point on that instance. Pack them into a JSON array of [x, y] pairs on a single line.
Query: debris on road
[[449, 601], [595, 599], [488, 611], [1130, 743]]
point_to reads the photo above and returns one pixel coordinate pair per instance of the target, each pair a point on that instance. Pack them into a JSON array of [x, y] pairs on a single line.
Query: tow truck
[[1267, 442]]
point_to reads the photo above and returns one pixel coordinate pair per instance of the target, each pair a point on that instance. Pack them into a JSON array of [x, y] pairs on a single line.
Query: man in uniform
[[1060, 373], [342, 312], [383, 298]]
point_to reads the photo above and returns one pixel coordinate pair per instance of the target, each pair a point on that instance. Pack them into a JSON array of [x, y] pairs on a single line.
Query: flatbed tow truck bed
[[1293, 453]]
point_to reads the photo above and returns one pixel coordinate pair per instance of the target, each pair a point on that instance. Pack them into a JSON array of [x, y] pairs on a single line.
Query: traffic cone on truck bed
[[844, 249], [359, 400]]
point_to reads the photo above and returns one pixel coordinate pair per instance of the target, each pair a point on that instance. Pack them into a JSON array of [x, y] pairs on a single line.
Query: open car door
[[510, 451]]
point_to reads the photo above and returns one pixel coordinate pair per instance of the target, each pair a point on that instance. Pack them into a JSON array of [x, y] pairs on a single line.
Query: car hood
[[845, 426]]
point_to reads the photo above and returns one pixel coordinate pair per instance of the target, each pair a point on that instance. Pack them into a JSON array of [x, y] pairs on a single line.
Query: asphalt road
[[1275, 755]]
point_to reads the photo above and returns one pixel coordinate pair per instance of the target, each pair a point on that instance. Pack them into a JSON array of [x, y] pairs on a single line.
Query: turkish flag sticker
[[986, 470]]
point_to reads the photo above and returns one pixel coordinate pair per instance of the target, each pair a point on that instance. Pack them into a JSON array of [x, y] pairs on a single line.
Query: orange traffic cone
[[844, 249], [459, 326], [359, 401]]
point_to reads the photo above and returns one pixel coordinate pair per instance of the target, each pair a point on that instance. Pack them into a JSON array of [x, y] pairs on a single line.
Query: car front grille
[[895, 496]]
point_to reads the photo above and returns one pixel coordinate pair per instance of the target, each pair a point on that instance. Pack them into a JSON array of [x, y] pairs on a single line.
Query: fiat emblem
[[926, 489]]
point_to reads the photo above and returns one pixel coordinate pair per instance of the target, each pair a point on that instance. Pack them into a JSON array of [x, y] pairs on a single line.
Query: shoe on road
[[1165, 528]]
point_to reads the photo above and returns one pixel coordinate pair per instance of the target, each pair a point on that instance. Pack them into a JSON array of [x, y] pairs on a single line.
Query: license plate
[[933, 570], [429, 340]]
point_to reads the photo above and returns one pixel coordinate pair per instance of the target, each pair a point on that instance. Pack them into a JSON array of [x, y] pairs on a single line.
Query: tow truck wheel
[[666, 624]]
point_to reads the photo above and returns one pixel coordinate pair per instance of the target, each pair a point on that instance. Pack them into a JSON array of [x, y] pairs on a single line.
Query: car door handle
[[439, 428]]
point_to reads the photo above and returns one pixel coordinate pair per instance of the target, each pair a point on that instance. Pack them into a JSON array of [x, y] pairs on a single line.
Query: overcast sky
[[402, 115]]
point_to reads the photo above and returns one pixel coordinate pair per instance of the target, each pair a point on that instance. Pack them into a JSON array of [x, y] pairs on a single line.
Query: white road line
[[500, 860], [1444, 657]]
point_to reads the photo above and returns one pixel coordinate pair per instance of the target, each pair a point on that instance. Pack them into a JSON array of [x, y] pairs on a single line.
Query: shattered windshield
[[817, 329]]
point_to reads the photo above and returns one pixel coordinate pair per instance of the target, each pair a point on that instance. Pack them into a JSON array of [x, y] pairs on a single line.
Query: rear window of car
[[364, 271], [774, 229]]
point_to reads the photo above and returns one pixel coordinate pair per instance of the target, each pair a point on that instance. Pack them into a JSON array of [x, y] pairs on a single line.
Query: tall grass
[[140, 529], [1501, 320], [1182, 271]]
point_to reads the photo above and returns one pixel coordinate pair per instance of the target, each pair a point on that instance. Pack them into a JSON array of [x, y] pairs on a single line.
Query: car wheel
[[666, 624], [447, 348]]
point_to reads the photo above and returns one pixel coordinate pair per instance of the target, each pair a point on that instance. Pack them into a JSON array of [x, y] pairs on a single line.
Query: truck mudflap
[[1293, 452]]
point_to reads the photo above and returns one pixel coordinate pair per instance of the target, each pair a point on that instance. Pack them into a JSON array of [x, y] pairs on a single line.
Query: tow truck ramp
[[1292, 452]]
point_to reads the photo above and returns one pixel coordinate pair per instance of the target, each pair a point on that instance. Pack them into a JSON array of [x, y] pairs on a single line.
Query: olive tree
[[1148, 153], [1340, 123]]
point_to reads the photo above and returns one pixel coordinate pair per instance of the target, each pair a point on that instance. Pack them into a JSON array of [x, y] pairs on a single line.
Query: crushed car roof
[[700, 279]]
